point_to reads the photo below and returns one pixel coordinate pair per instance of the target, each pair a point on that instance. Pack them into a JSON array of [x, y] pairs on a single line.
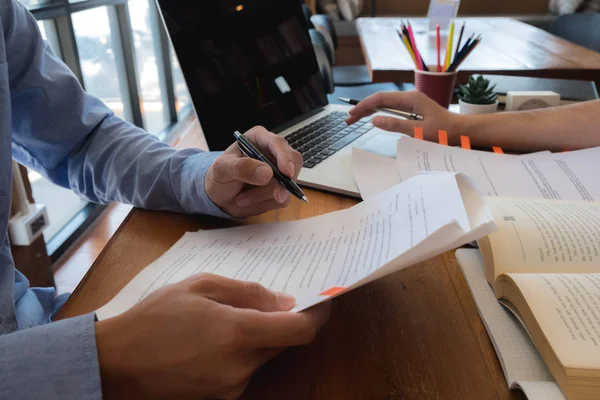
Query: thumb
[[393, 124], [240, 294]]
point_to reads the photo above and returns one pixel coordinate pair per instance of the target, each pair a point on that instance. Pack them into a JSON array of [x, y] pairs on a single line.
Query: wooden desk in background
[[413, 335], [509, 47]]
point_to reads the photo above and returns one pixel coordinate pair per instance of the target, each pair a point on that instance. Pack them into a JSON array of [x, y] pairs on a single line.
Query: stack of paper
[[567, 176]]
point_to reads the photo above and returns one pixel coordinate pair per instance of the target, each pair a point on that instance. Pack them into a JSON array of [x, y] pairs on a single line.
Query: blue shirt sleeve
[[74, 140], [52, 361]]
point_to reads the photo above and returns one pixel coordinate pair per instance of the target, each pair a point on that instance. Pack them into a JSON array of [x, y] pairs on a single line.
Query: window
[[182, 96], [146, 40], [48, 32], [122, 55], [62, 204], [96, 48]]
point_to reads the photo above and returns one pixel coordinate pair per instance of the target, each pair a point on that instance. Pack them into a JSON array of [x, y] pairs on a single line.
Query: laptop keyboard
[[323, 137]]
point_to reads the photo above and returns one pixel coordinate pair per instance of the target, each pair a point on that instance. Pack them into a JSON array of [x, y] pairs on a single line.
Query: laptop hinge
[[297, 120]]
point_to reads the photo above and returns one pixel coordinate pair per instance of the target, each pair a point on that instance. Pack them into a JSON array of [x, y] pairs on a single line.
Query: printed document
[[322, 257], [566, 176]]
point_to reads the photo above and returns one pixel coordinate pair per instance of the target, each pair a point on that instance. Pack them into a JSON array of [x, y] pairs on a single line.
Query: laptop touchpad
[[382, 143]]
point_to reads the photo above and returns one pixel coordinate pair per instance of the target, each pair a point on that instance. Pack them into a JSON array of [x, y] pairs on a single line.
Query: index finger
[[283, 329], [289, 161], [397, 100]]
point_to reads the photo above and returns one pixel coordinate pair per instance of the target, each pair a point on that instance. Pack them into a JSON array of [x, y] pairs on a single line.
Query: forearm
[[575, 126], [119, 162]]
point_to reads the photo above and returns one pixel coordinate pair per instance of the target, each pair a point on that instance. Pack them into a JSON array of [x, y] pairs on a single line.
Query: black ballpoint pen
[[249, 150]]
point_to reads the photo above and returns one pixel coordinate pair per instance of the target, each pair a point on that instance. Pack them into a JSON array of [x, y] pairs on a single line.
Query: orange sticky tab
[[443, 137], [497, 150], [465, 142], [418, 133], [332, 291]]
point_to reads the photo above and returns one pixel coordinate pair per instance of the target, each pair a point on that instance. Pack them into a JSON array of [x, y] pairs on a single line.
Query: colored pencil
[[411, 36], [404, 40], [449, 47], [463, 49], [438, 44], [462, 30], [465, 54]]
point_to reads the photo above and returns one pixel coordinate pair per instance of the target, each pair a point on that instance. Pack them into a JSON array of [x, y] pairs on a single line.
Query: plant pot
[[468, 108]]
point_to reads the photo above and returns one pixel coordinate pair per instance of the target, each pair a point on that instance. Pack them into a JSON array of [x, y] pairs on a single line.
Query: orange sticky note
[[497, 150], [465, 142], [418, 133], [332, 291], [443, 137]]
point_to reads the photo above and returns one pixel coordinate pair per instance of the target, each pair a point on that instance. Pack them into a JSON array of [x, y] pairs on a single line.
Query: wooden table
[[509, 47], [413, 335]]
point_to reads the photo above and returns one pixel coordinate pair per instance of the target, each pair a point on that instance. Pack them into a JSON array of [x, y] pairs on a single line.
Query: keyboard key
[[369, 126], [340, 144], [327, 152], [308, 154], [308, 164], [319, 157]]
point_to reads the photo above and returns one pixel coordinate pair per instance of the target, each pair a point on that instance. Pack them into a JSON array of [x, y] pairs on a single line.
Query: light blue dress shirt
[[50, 124]]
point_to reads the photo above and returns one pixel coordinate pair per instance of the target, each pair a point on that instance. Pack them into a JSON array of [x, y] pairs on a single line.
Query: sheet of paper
[[373, 173], [321, 257], [567, 176], [522, 364]]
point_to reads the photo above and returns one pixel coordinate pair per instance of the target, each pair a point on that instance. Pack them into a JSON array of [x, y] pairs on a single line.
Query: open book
[[523, 367], [318, 258], [544, 265]]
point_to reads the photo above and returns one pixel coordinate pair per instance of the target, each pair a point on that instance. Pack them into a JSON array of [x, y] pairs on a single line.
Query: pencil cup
[[438, 86]]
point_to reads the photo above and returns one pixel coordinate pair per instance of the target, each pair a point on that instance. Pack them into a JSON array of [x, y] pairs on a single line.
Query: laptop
[[252, 62]]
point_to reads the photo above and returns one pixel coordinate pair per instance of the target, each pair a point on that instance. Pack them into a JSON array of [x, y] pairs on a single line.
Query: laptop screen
[[246, 63]]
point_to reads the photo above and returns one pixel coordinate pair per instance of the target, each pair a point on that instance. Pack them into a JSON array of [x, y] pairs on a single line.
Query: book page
[[545, 235], [321, 257], [567, 309], [521, 363], [373, 173], [567, 176]]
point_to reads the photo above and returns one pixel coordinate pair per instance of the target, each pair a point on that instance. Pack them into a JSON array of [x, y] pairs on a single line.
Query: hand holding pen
[[249, 150], [427, 114], [241, 186]]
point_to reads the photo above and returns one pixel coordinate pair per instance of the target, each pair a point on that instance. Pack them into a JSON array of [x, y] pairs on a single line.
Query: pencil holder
[[438, 86]]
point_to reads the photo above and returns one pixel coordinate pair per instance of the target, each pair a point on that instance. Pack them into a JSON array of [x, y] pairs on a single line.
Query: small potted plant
[[477, 97]]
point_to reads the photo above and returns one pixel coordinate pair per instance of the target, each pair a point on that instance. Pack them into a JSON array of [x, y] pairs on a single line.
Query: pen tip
[[304, 199]]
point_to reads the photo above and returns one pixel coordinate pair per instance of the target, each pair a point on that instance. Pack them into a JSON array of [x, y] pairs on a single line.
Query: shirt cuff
[[195, 200], [53, 361]]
